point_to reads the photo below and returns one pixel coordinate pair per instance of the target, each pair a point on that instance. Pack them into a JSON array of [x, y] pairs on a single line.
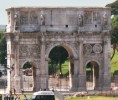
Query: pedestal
[[74, 86], [17, 84], [82, 83]]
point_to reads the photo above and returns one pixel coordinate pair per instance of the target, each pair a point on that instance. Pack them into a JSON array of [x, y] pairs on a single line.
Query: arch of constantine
[[32, 32]]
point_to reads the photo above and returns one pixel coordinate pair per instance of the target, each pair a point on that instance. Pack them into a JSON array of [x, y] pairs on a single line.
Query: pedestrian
[[6, 97], [1, 97], [22, 91], [25, 97], [10, 92], [17, 97], [11, 97], [14, 91]]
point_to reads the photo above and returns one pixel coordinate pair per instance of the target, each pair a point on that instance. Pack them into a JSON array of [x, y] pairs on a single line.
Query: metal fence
[[54, 82]]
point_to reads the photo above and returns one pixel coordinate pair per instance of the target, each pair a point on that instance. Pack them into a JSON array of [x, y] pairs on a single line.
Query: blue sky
[[4, 4]]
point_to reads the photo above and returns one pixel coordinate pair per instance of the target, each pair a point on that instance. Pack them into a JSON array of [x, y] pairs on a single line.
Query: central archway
[[61, 79]]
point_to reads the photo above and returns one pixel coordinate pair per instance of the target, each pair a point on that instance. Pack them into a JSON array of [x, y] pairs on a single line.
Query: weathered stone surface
[[84, 32]]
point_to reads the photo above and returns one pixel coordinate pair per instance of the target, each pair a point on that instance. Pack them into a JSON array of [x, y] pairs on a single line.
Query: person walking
[[6, 97], [25, 97], [17, 97], [1, 97]]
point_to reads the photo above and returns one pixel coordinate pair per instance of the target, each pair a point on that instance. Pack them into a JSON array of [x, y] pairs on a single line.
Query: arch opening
[[28, 76], [92, 75], [60, 68]]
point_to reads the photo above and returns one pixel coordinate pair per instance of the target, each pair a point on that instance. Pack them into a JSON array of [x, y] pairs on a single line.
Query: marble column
[[100, 79], [42, 64], [74, 76], [17, 78], [106, 74], [8, 62], [82, 75]]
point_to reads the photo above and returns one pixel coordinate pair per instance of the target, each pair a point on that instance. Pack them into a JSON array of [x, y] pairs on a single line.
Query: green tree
[[58, 56], [114, 7], [114, 35], [3, 48]]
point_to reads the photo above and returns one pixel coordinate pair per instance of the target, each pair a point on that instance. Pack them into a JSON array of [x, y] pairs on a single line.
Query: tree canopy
[[114, 35], [58, 55], [115, 29], [114, 7], [3, 48]]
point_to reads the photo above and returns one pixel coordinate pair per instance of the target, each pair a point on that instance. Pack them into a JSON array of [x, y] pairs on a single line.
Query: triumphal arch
[[32, 32]]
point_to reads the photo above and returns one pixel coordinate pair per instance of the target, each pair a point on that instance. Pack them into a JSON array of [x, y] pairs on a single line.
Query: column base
[[17, 84], [82, 83], [74, 83], [105, 88], [107, 82], [82, 89]]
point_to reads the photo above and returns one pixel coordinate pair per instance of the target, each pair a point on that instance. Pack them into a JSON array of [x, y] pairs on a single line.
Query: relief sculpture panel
[[24, 18], [92, 49], [88, 17], [97, 48], [29, 51], [33, 18]]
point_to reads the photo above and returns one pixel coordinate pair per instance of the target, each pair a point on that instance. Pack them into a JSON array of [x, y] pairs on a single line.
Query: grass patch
[[114, 63], [92, 98]]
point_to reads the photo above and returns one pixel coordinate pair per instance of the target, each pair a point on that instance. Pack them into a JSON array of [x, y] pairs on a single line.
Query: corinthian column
[[17, 78], [106, 75], [43, 64], [82, 75]]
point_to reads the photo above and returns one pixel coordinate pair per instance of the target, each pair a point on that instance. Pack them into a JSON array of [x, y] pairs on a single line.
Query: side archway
[[28, 76], [92, 75]]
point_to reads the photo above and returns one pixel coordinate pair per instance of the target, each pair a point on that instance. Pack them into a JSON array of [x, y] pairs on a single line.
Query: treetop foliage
[[3, 48], [114, 7], [114, 35]]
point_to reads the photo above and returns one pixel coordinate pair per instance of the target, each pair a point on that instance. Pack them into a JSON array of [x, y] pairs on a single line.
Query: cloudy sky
[[4, 4]]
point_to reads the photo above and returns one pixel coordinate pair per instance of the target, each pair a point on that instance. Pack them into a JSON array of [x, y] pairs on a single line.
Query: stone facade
[[32, 32]]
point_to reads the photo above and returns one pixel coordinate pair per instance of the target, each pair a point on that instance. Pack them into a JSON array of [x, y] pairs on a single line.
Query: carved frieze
[[29, 51]]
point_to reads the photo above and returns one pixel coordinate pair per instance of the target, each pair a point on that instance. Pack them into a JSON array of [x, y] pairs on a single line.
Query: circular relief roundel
[[87, 48], [97, 48]]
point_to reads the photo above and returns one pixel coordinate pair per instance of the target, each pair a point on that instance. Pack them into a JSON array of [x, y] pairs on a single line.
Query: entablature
[[68, 19]]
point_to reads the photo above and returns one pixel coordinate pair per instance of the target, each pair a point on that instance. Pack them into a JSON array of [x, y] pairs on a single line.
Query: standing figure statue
[[80, 20], [42, 18], [105, 21]]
